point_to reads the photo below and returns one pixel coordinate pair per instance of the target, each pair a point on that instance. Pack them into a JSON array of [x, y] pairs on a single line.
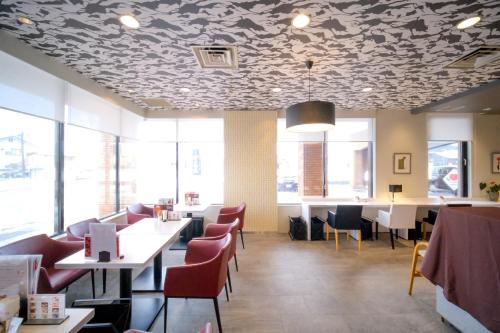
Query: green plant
[[492, 187]]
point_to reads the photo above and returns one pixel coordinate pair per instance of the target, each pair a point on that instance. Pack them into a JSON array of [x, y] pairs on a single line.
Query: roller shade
[[30, 90], [449, 127], [90, 111], [158, 130], [200, 130], [287, 136], [130, 125], [352, 129]]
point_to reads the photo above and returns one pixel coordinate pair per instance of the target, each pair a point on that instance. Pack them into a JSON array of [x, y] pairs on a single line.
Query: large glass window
[[27, 174], [448, 138], [129, 171], [288, 171], [443, 169], [89, 174], [201, 159], [349, 169]]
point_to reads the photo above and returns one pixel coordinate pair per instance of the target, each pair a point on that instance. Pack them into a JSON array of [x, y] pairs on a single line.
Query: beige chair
[[418, 251], [400, 216]]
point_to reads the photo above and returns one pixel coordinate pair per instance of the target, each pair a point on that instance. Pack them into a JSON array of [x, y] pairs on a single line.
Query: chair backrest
[[234, 236], [402, 216], [347, 217], [139, 208], [75, 232], [39, 244], [241, 209], [229, 214], [223, 263]]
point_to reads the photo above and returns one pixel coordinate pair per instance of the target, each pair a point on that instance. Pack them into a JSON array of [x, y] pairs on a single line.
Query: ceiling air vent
[[216, 56], [156, 102], [479, 57]]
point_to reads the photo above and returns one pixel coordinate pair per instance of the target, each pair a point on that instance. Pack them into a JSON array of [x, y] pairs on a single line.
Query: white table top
[[77, 318], [422, 202], [191, 209], [152, 226], [139, 243]]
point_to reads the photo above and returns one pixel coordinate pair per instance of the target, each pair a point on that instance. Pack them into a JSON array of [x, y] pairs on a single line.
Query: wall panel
[[250, 166]]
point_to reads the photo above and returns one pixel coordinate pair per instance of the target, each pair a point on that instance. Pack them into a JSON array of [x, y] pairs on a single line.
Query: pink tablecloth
[[464, 259]]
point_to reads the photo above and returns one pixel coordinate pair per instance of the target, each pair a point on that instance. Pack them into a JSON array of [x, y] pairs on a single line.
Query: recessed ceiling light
[[24, 20], [467, 23], [301, 21], [129, 21], [276, 90], [185, 90], [367, 89], [487, 109]]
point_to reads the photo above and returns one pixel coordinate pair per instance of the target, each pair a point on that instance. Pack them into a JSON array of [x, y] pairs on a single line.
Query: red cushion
[[60, 278]]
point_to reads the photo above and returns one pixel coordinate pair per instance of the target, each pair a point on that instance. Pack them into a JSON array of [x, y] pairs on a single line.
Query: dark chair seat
[[60, 278], [346, 217]]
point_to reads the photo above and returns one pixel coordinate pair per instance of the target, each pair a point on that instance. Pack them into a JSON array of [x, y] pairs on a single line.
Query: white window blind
[[158, 130], [30, 90], [449, 127], [90, 111], [352, 129], [130, 124], [200, 130], [285, 135]]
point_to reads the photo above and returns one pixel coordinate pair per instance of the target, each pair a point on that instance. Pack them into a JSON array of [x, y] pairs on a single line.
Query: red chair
[[137, 212], [229, 214], [218, 231], [203, 276], [77, 231], [51, 280]]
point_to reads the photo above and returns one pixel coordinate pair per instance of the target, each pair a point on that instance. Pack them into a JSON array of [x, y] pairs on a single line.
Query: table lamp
[[395, 188]]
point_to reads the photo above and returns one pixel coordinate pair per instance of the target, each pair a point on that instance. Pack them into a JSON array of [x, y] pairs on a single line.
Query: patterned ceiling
[[396, 47]]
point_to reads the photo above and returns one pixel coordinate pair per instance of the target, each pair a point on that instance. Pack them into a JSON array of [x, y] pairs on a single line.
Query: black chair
[[432, 216], [345, 218]]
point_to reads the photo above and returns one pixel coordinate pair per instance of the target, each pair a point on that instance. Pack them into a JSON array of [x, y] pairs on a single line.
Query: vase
[[493, 196]]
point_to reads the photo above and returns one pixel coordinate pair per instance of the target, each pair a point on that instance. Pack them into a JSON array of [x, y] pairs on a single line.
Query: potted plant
[[492, 189]]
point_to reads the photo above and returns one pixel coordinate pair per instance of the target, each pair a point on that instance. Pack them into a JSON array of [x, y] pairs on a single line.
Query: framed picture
[[402, 163], [495, 162]]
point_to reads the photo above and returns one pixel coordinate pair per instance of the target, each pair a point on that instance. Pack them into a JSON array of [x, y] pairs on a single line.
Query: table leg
[[125, 283], [376, 230], [157, 268]]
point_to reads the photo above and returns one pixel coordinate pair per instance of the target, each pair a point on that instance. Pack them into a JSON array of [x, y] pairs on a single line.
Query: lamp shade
[[395, 188], [312, 116]]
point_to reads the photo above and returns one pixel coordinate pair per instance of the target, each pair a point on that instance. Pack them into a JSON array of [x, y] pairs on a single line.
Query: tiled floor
[[300, 286]]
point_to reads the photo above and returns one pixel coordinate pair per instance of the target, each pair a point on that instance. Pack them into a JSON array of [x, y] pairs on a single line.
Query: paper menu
[[19, 274], [103, 238], [46, 306]]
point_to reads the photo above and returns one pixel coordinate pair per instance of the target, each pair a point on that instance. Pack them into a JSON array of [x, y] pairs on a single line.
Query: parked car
[[445, 178], [288, 184]]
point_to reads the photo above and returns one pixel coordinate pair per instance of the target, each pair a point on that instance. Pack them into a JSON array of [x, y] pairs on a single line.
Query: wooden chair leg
[[336, 240], [217, 314], [347, 235], [359, 240], [327, 231], [413, 269], [424, 231], [165, 308]]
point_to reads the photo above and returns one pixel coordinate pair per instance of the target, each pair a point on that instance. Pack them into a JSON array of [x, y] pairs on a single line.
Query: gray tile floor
[[300, 286]]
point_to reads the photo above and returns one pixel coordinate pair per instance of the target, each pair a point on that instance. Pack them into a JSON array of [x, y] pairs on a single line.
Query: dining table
[[141, 243]]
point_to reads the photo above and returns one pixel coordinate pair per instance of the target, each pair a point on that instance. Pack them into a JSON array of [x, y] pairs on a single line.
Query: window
[[299, 164], [27, 174], [201, 159], [349, 169], [447, 169], [128, 173], [89, 174], [349, 158]]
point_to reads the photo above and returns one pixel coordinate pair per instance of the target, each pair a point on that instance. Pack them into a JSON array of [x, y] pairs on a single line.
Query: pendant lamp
[[310, 116]]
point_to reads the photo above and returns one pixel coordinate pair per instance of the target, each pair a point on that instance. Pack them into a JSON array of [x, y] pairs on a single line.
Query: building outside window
[[27, 174]]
